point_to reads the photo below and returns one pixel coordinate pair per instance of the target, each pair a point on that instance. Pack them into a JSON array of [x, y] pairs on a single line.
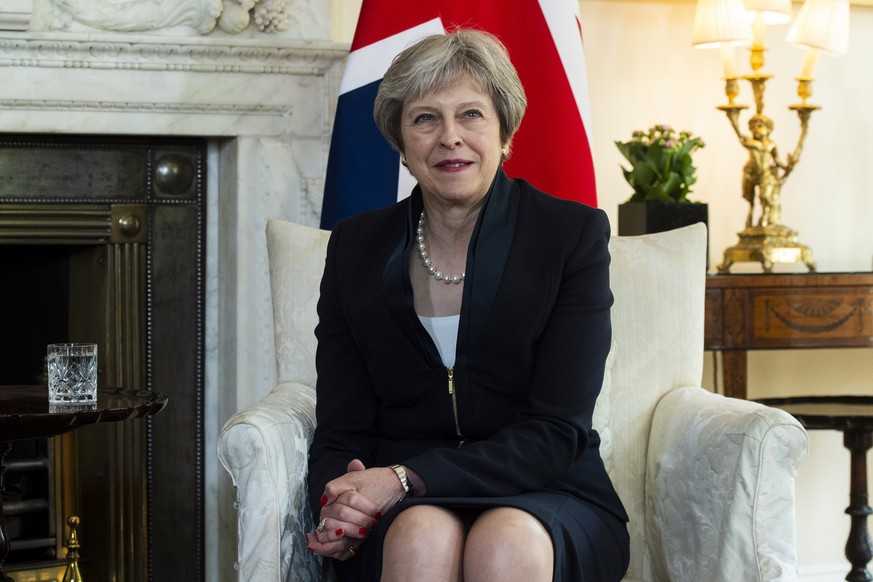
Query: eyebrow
[[464, 105]]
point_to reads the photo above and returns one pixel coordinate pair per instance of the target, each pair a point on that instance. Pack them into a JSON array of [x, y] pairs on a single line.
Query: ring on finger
[[321, 523], [351, 550]]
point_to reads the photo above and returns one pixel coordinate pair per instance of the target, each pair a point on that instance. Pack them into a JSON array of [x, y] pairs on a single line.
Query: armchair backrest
[[296, 255], [659, 282]]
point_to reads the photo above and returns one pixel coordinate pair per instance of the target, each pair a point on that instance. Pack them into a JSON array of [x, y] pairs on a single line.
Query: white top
[[444, 331]]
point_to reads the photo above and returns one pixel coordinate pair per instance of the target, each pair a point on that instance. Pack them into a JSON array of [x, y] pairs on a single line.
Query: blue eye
[[424, 117], [473, 113]]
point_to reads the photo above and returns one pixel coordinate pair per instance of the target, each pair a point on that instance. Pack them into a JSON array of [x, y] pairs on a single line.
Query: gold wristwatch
[[408, 489]]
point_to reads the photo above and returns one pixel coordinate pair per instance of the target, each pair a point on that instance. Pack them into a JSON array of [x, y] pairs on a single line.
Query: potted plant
[[662, 173]]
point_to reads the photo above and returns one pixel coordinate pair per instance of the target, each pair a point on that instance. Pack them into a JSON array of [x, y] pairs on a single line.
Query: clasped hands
[[351, 507]]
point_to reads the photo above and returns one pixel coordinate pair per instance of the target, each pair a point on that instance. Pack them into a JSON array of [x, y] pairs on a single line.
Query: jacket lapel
[[487, 257], [397, 284]]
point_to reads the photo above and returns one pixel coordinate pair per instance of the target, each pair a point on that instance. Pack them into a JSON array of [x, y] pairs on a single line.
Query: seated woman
[[462, 337]]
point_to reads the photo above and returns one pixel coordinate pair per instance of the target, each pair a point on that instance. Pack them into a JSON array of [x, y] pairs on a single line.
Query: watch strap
[[400, 470]]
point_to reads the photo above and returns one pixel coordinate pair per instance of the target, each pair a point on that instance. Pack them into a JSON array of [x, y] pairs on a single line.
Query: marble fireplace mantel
[[265, 105], [111, 83]]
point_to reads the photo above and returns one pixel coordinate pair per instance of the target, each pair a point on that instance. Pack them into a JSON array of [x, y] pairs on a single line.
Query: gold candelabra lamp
[[821, 26]]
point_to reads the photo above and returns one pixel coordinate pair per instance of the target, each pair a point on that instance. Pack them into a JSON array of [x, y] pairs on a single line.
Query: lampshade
[[774, 11], [822, 25], [720, 22]]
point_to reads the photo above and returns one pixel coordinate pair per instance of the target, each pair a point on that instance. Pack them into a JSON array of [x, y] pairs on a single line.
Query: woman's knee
[[424, 537], [508, 544]]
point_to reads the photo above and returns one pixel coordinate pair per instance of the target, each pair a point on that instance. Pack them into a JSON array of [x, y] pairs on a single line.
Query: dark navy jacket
[[533, 338]]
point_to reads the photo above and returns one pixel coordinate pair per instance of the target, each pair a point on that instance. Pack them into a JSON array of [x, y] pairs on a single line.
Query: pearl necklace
[[425, 260]]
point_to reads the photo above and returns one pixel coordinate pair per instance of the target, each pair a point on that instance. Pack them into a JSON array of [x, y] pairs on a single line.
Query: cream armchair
[[708, 481]]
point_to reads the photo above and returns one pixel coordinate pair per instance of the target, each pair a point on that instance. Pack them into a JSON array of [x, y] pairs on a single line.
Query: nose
[[451, 136]]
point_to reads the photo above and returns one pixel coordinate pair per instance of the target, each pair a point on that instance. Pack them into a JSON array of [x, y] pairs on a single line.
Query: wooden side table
[[765, 311], [25, 413], [853, 416]]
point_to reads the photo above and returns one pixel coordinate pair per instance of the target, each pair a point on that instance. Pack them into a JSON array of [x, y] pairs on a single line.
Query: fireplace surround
[[263, 106], [102, 238]]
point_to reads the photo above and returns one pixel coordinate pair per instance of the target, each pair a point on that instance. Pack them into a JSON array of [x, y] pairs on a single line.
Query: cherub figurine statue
[[763, 174], [766, 241]]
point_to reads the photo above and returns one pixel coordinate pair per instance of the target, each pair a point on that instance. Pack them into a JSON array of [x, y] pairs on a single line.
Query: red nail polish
[[310, 549], [339, 532], [363, 531], [378, 515], [324, 499]]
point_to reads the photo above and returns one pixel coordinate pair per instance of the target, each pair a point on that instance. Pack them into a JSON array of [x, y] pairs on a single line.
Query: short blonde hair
[[437, 62]]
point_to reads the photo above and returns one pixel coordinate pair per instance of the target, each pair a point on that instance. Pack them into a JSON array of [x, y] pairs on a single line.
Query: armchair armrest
[[720, 489], [264, 448]]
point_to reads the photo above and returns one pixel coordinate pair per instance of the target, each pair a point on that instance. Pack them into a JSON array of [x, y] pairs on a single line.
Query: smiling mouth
[[453, 165]]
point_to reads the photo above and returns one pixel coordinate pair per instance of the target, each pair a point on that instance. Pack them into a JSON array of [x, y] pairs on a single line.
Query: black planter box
[[648, 217]]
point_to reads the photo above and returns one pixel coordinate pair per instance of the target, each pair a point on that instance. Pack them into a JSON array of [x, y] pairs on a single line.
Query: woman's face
[[452, 143]]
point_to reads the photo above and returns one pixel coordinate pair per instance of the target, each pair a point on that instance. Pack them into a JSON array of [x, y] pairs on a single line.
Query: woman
[[462, 337]]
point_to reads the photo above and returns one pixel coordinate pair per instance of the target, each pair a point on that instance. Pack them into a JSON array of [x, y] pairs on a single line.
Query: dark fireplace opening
[[35, 309], [28, 504], [26, 500], [102, 241], [35, 312]]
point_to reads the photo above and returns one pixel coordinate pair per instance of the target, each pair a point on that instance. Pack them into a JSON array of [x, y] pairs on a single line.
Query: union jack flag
[[544, 38]]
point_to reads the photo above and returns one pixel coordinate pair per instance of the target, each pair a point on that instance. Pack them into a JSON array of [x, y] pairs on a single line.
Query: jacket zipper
[[451, 372]]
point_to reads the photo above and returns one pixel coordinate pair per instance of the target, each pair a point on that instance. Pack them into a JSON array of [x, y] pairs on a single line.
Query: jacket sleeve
[[553, 431], [345, 410]]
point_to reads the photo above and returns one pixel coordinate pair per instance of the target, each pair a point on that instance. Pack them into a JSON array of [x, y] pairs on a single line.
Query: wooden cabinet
[[767, 311]]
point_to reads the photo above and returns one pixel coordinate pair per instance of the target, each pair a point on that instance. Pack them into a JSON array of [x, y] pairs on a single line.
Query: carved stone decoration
[[271, 15], [126, 15], [305, 19], [235, 17]]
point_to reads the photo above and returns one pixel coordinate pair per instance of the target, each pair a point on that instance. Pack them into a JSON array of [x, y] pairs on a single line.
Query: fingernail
[[363, 531], [378, 515], [339, 532], [310, 549], [324, 499]]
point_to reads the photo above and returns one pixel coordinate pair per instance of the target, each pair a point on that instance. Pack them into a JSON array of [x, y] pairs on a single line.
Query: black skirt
[[590, 544]]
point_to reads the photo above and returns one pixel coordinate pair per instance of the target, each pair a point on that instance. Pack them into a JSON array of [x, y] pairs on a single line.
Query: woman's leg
[[508, 545], [424, 543]]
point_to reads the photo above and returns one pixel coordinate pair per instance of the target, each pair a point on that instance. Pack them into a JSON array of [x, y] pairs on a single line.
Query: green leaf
[[658, 172]]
